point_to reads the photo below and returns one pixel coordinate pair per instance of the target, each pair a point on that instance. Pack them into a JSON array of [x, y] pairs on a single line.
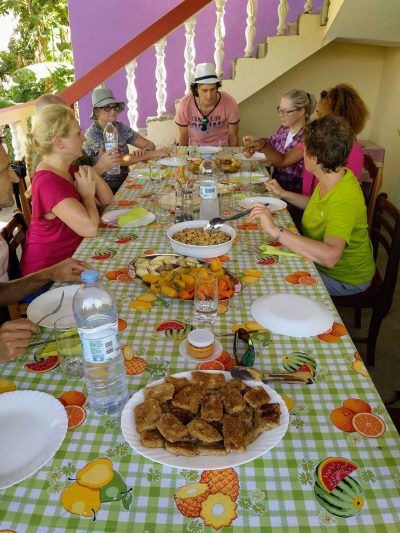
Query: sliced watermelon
[[40, 367], [170, 325], [332, 470]]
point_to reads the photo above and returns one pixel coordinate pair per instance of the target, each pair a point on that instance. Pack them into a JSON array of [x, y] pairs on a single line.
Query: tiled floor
[[386, 372]]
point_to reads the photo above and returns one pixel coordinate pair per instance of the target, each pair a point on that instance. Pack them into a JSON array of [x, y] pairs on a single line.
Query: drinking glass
[[246, 174], [163, 206], [205, 300], [69, 347], [155, 176]]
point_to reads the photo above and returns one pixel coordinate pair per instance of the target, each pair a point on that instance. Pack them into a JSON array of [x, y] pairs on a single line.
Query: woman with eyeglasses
[[334, 223], [207, 116], [106, 108], [294, 110]]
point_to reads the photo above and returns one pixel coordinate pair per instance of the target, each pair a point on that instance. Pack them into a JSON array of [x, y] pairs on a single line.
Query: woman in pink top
[[342, 100], [206, 116], [64, 199]]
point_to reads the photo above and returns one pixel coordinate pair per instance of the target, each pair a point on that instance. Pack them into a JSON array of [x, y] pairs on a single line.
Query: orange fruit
[[339, 330], [76, 415], [369, 425], [72, 397], [122, 324], [307, 280], [342, 418], [112, 275], [292, 278], [301, 274], [210, 365], [357, 405]]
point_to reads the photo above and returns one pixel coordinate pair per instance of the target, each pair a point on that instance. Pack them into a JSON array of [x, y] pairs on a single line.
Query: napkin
[[266, 249], [134, 214]]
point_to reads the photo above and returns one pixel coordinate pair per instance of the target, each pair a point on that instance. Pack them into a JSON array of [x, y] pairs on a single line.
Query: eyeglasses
[[243, 348], [109, 107], [204, 122], [284, 111]]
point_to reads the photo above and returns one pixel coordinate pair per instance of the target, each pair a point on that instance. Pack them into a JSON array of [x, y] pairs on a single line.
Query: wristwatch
[[281, 229]]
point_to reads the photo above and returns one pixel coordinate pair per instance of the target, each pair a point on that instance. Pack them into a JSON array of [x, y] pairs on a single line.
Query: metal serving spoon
[[216, 223]]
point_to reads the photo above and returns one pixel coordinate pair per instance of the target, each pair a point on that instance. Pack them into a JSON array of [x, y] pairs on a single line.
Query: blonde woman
[[65, 199], [294, 109]]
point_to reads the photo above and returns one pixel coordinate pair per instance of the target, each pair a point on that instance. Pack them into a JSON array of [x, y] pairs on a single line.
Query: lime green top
[[342, 213]]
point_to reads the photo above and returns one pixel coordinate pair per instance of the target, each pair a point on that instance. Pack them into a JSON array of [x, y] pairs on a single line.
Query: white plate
[[173, 162], [292, 315], [208, 149], [48, 301], [257, 156], [34, 425], [262, 445], [244, 177], [112, 218], [216, 353], [275, 204]]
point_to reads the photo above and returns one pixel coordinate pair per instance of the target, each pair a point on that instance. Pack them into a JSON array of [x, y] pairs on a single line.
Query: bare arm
[[299, 200], [68, 270], [183, 136], [278, 159], [143, 144], [103, 193], [233, 134], [141, 155], [326, 253]]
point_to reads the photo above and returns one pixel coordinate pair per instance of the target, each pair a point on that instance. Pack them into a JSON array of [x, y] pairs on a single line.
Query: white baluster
[[219, 34], [252, 8], [190, 52], [18, 137], [308, 6], [283, 10], [161, 77], [131, 94]]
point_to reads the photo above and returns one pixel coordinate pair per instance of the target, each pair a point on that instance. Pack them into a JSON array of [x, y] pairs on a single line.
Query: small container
[[200, 343]]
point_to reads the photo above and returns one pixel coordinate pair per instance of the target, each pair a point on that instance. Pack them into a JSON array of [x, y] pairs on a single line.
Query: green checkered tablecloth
[[276, 492]]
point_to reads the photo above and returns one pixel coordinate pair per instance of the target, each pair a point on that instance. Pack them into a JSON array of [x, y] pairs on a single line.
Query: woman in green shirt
[[334, 223]]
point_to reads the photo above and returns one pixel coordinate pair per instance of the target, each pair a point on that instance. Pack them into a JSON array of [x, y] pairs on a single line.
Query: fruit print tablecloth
[[325, 472]]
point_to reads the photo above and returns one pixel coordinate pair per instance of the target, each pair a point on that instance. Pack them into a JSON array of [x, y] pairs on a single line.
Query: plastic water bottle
[[110, 135], [209, 204], [96, 317]]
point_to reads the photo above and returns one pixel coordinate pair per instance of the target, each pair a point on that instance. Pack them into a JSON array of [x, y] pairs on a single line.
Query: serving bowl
[[200, 252]]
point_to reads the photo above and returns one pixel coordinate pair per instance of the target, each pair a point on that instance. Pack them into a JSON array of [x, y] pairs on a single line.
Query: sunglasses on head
[[204, 122], [243, 348], [116, 107]]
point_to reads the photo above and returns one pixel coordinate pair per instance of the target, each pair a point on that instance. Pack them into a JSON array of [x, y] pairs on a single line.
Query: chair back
[[385, 231], [14, 234], [375, 171]]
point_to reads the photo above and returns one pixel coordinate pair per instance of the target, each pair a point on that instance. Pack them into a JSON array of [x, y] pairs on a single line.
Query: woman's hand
[[15, 337], [107, 160], [252, 144], [273, 186], [85, 181], [262, 214], [162, 152], [68, 270]]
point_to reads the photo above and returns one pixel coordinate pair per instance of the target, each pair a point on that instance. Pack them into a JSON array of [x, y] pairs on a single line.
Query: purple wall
[[100, 27]]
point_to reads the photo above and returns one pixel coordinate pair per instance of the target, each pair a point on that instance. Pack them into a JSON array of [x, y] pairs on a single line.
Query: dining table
[[326, 471]]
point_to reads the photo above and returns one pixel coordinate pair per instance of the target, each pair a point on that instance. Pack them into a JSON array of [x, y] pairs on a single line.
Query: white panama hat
[[205, 73]]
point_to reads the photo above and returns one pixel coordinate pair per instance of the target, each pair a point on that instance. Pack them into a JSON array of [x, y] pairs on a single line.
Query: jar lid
[[201, 337]]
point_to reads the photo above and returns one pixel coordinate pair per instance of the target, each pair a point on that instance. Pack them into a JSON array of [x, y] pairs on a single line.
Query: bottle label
[[109, 146], [208, 192], [100, 350]]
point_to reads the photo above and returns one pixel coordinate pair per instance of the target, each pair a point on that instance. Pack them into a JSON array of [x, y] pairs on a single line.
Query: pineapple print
[[218, 511], [224, 481], [189, 498], [133, 364]]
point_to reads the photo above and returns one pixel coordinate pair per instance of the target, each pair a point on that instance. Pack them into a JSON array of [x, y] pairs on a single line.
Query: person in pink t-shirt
[[207, 116], [64, 199]]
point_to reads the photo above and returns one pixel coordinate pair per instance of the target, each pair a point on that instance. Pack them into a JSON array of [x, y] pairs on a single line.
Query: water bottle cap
[[207, 156], [88, 276]]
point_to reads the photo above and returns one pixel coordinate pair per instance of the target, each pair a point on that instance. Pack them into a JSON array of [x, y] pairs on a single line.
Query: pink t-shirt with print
[[225, 112], [48, 241], [354, 163]]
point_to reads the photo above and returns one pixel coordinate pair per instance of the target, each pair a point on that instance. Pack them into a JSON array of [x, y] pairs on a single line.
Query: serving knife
[[245, 373]]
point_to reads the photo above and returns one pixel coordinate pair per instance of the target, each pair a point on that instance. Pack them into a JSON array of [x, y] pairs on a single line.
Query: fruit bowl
[[193, 250]]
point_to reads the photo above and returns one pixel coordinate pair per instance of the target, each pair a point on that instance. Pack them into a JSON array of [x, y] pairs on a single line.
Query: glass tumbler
[[205, 300], [69, 347]]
